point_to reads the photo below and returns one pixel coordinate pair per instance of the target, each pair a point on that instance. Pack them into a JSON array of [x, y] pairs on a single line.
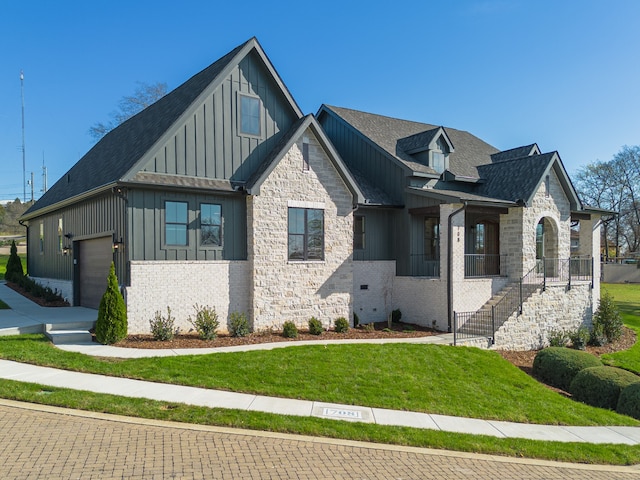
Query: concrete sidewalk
[[30, 316], [25, 316]]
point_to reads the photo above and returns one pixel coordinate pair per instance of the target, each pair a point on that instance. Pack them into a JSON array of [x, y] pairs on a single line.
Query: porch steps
[[69, 333], [477, 324]]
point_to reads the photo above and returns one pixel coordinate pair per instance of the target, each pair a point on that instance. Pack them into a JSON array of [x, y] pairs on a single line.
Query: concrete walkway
[[282, 406]]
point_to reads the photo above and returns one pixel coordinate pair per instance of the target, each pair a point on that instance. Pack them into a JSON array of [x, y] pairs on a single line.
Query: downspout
[[21, 222], [450, 266]]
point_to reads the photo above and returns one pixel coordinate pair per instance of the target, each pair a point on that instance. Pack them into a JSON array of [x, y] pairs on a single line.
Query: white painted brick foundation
[[182, 284], [63, 287], [373, 283]]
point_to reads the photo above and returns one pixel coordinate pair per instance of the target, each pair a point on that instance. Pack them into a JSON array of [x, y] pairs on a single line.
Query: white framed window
[[60, 236], [210, 225], [176, 223], [306, 234], [250, 122]]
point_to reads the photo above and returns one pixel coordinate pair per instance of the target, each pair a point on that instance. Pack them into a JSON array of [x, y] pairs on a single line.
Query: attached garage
[[94, 261]]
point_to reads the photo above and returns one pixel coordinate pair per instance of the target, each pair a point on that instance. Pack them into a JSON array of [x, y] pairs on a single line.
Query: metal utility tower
[[24, 163]]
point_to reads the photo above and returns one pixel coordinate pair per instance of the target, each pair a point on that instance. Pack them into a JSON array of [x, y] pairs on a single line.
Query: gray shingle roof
[[118, 151], [517, 152], [515, 179], [470, 151]]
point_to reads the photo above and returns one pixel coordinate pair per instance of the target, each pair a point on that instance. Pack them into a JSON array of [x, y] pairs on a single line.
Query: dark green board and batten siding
[[103, 216], [363, 157], [147, 222], [208, 144]]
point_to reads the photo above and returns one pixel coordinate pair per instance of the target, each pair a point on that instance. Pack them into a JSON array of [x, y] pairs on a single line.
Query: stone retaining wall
[[554, 309]]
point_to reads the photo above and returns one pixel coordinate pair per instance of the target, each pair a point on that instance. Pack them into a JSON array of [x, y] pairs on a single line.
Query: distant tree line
[[9, 215], [615, 185]]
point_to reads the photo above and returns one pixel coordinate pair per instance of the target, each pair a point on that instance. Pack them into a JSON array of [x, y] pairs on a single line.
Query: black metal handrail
[[425, 266], [485, 322], [484, 265]]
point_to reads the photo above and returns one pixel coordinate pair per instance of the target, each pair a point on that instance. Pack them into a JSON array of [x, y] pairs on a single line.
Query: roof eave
[[68, 201]]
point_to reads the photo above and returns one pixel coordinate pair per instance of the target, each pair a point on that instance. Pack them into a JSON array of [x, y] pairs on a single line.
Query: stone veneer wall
[[284, 290], [554, 309], [64, 287], [182, 284]]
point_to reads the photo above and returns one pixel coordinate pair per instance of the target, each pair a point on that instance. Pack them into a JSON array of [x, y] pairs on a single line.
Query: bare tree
[[615, 186], [143, 96]]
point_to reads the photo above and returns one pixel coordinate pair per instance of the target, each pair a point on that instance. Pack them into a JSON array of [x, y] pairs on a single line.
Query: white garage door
[[95, 258]]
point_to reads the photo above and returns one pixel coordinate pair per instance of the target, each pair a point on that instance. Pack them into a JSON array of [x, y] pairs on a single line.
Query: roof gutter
[[68, 201], [450, 266]]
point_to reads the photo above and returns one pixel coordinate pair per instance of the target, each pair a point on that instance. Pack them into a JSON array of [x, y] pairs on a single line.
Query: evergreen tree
[[14, 270], [111, 326]]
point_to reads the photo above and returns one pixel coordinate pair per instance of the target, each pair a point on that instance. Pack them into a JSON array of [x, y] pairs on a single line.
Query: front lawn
[[464, 382], [627, 298]]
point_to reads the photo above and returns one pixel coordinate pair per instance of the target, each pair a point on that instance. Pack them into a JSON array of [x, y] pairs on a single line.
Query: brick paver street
[[66, 444]]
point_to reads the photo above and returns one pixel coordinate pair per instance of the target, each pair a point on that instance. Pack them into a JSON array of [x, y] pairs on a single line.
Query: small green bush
[[558, 366], [579, 338], [607, 317], [341, 325], [601, 386], [629, 401], [557, 338], [315, 326], [369, 327], [163, 328], [289, 329], [238, 325], [597, 338], [14, 270], [206, 322], [111, 325], [396, 315]]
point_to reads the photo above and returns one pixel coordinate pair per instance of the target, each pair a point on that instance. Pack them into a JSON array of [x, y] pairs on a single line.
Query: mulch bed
[[191, 340], [39, 300], [524, 360]]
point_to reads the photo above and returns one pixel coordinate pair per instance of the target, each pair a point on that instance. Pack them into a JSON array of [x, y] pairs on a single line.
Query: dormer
[[430, 148], [519, 152]]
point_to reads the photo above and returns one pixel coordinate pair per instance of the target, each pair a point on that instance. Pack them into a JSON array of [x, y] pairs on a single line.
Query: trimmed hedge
[[558, 366], [601, 386], [629, 401]]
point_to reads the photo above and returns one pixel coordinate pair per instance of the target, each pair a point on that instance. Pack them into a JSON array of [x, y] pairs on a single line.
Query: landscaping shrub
[[14, 270], [597, 338], [557, 338], [396, 315], [206, 322], [629, 401], [579, 338], [315, 326], [558, 366], [111, 325], [163, 328], [601, 386], [238, 325], [341, 325], [369, 327], [607, 318], [289, 329]]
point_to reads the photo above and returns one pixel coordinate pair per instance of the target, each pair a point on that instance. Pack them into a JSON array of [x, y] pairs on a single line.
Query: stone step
[[65, 337], [69, 332]]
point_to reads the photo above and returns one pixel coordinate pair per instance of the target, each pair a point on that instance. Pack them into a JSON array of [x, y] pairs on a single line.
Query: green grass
[[464, 382], [627, 298], [5, 258], [317, 427], [3, 305]]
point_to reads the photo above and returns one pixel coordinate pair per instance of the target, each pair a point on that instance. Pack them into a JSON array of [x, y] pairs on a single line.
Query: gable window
[[305, 155], [60, 246], [250, 115], [210, 225], [437, 161], [358, 232], [41, 238], [306, 234], [176, 222]]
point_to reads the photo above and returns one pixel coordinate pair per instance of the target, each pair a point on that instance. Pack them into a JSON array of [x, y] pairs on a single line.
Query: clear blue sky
[[564, 74]]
